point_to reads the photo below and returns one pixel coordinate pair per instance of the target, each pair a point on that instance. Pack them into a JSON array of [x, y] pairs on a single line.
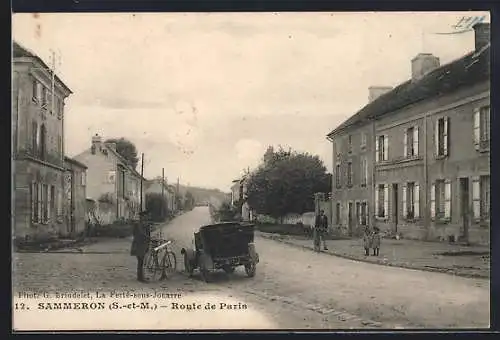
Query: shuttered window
[[482, 127], [382, 148], [382, 200], [441, 199], [442, 136], [34, 202]]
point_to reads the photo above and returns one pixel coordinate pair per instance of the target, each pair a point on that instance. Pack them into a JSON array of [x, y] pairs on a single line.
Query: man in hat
[[140, 243], [320, 229]]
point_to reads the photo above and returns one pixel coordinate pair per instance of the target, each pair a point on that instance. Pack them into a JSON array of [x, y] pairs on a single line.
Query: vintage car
[[225, 246]]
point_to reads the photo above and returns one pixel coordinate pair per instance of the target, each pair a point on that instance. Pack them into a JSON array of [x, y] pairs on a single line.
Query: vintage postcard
[[215, 171]]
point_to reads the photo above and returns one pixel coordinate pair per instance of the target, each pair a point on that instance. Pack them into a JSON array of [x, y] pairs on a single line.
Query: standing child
[[367, 241], [376, 241]]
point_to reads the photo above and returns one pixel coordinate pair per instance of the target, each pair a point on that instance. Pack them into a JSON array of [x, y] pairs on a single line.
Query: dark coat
[[140, 243], [321, 223], [367, 240], [376, 240]]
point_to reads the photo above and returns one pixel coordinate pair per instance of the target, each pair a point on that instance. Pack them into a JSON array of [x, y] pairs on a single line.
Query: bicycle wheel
[[151, 267], [169, 262]]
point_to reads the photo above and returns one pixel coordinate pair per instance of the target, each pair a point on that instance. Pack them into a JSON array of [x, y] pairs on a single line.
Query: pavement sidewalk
[[466, 261]]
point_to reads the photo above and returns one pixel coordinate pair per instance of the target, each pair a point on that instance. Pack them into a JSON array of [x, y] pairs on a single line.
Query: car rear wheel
[[250, 269]]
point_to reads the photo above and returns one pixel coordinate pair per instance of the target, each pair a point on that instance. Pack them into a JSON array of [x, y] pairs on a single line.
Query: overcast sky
[[204, 94]]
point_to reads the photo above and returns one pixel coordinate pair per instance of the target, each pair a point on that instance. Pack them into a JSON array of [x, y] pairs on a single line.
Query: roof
[[74, 161], [124, 161], [19, 51], [158, 180], [468, 70]]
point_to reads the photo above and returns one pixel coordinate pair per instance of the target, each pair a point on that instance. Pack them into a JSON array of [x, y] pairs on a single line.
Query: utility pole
[[162, 192], [142, 176]]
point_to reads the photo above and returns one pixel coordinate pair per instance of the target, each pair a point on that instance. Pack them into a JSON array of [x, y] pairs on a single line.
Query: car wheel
[[250, 269]]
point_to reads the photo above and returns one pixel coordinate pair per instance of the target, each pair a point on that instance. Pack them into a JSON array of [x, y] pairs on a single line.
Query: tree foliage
[[189, 201], [157, 207], [286, 183], [126, 149]]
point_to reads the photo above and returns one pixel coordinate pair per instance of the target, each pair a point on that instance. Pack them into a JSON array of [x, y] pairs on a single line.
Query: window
[[337, 213], [337, 175], [34, 138], [382, 148], [34, 202], [442, 138], [363, 140], [84, 178], [410, 142], [349, 174], [60, 108], [358, 212], [44, 96], [52, 201], [364, 171], [411, 200], [364, 213], [350, 143], [42, 144], [35, 90], [481, 198], [482, 128], [441, 199], [382, 201]]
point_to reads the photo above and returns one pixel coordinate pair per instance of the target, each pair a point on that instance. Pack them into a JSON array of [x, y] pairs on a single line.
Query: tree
[[189, 201], [286, 183], [126, 149], [157, 207]]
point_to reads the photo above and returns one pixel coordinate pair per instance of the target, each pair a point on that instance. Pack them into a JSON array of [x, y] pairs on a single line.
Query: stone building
[[38, 146], [415, 160], [75, 183], [112, 181]]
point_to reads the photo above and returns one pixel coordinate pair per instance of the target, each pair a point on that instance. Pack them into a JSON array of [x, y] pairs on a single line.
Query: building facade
[[111, 180], [38, 147], [427, 152], [75, 207], [155, 186]]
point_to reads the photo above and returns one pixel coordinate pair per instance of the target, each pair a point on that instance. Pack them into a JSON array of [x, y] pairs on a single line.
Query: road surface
[[338, 288], [293, 288]]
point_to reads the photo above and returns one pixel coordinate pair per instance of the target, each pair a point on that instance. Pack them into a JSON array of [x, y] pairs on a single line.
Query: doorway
[[395, 210], [464, 208]]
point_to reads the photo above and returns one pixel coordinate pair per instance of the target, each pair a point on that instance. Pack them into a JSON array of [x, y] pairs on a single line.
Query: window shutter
[[446, 137], [415, 140], [436, 137], [447, 199], [377, 149], [39, 203], [377, 194], [33, 197], [476, 198], [386, 147], [416, 200], [405, 211], [366, 171], [386, 200], [49, 203], [433, 200], [477, 128], [405, 143]]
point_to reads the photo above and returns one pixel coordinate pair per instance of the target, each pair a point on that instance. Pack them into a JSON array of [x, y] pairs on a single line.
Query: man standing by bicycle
[[140, 243]]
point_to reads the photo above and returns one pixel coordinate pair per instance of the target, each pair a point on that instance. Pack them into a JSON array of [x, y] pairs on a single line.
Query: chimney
[[376, 91], [96, 143], [481, 35], [422, 64]]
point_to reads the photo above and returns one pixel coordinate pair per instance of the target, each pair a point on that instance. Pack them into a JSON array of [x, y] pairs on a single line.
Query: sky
[[203, 95]]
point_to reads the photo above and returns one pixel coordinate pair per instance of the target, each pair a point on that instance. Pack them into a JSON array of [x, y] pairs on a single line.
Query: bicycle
[[159, 260]]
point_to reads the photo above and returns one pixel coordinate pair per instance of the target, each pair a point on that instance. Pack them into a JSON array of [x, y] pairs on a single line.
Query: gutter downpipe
[[426, 179], [373, 174]]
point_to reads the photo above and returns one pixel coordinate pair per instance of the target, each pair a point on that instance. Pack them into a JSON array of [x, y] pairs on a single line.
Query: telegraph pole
[[162, 192]]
